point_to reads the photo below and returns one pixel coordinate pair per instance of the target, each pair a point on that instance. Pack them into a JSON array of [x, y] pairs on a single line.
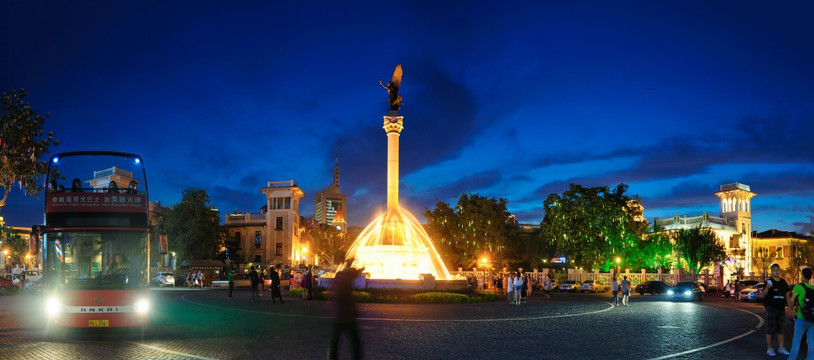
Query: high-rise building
[[330, 204]]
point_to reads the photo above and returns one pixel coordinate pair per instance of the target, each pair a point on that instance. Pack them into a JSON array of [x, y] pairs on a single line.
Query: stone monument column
[[393, 124]]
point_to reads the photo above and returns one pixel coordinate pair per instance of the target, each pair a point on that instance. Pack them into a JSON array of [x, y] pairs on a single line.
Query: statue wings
[[397, 78]]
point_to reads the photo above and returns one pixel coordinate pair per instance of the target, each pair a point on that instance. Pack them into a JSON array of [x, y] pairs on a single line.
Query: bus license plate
[[98, 323]]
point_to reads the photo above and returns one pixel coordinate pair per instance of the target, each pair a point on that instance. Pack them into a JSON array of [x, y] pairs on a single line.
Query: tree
[[22, 145], [763, 259], [329, 243], [698, 247], [477, 226], [193, 228], [802, 252], [593, 226], [655, 252], [16, 245]]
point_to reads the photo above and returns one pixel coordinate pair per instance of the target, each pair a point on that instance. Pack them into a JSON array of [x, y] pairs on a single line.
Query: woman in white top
[[518, 287]]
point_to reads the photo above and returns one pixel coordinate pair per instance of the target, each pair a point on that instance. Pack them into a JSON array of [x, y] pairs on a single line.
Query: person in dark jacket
[[345, 312], [275, 285], [309, 283], [255, 279]]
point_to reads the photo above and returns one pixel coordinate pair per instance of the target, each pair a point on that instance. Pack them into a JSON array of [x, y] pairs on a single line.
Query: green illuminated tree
[[655, 252], [699, 247], [329, 243], [477, 226], [193, 227], [593, 226], [23, 143]]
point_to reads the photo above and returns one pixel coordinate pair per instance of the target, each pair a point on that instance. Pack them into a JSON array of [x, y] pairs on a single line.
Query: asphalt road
[[204, 324]]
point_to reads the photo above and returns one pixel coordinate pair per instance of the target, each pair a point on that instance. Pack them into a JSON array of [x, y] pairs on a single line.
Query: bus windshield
[[97, 260]]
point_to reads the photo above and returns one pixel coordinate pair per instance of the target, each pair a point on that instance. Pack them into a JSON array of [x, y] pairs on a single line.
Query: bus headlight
[[52, 306], [142, 306]]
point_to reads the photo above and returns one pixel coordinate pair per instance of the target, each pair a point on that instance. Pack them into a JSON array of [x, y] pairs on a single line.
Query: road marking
[[171, 351], [750, 332], [610, 306]]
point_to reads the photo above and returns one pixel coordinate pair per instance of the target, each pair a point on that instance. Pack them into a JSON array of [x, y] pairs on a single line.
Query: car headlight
[[688, 293], [669, 292], [142, 306], [52, 306]]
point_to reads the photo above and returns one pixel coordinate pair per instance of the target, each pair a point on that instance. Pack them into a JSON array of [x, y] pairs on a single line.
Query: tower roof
[[339, 217]]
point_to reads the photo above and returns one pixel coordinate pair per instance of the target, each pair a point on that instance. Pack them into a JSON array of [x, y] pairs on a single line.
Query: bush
[[410, 296], [440, 298]]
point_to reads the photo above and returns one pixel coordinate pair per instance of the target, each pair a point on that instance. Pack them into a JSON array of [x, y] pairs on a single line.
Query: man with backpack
[[775, 300], [802, 301]]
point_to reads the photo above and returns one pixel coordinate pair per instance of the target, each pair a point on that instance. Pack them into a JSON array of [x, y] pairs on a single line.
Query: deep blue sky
[[504, 99]]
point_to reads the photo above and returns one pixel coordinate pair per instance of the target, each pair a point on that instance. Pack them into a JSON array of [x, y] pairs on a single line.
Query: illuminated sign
[[559, 260], [96, 202]]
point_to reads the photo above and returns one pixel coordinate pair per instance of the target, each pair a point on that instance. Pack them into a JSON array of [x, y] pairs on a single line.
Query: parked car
[[17, 282], [33, 280], [686, 290], [6, 285], [653, 287], [570, 286], [750, 294], [593, 286], [163, 278]]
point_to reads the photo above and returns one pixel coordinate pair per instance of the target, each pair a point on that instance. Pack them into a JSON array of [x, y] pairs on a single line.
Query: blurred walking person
[[615, 291], [518, 288], [345, 312], [231, 282], [255, 280]]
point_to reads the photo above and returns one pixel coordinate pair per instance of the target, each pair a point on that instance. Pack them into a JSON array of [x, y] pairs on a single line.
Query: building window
[[279, 249], [237, 237], [280, 203], [258, 258], [258, 238], [279, 223], [733, 242]]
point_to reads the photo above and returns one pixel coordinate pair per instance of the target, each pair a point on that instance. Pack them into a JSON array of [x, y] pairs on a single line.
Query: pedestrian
[[737, 293], [518, 288], [309, 282], [524, 291], [345, 311], [796, 302], [255, 281], [262, 281], [231, 282], [275, 285], [775, 300], [200, 279], [499, 284], [547, 286], [615, 290], [510, 288], [625, 291], [727, 290]]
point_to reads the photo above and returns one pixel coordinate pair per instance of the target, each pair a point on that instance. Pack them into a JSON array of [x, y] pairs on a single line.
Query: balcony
[[245, 219]]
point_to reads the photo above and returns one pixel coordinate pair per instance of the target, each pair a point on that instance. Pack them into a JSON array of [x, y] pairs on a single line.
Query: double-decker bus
[[95, 250]]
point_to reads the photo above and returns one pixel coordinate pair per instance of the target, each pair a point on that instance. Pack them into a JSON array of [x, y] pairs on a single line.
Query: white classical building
[[733, 227]]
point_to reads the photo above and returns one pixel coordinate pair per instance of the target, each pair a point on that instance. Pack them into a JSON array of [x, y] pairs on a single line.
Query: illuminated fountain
[[394, 249]]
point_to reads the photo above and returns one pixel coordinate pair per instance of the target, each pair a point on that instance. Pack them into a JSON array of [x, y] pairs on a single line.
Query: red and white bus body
[[95, 249]]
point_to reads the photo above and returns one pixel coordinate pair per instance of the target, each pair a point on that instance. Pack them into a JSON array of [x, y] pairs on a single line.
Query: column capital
[[393, 124]]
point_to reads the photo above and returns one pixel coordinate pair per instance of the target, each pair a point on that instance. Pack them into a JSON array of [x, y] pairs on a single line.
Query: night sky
[[504, 99]]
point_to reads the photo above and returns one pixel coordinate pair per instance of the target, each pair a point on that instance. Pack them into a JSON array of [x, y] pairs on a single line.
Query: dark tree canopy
[[23, 143], [193, 228], [329, 243]]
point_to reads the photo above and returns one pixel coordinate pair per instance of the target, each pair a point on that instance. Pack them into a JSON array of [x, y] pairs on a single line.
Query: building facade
[[330, 204], [272, 236], [775, 246], [732, 228]]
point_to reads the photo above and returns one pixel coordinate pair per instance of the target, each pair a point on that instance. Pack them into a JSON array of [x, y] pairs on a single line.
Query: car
[[653, 287], [17, 282], [570, 286], [686, 290], [750, 294], [6, 285], [593, 286], [33, 280], [162, 278]]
